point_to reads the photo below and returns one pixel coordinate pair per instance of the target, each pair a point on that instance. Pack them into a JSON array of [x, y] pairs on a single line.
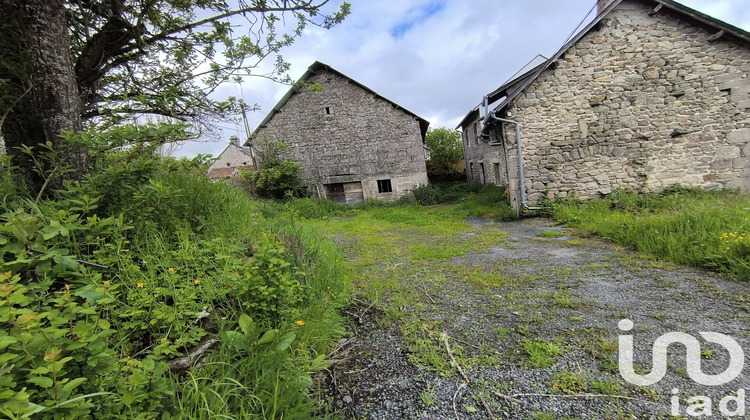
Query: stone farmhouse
[[230, 160], [650, 94], [352, 143]]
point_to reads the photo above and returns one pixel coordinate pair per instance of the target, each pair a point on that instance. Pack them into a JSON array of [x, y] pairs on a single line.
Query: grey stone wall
[[344, 134], [642, 103]]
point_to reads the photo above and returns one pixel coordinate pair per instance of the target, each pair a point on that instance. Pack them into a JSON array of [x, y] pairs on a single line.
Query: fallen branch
[[454, 362], [514, 397], [444, 336], [455, 395], [424, 290], [185, 362]]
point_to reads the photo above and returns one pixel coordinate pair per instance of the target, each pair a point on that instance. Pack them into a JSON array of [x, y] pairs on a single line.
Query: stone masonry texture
[[642, 102], [345, 134]]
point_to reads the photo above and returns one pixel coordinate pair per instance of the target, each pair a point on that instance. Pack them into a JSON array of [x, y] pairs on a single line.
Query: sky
[[436, 58]]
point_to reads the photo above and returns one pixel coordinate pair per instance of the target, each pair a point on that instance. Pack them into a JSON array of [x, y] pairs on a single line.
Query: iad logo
[[699, 405]]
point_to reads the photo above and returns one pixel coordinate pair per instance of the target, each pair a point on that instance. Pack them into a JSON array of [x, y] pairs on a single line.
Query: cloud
[[438, 58]]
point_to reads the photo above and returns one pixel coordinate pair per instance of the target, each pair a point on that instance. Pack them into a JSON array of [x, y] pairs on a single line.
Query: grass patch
[[707, 229], [551, 234], [542, 353], [568, 382]]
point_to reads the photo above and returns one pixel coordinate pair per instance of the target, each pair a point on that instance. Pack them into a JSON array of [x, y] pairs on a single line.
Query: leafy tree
[[445, 148], [69, 64]]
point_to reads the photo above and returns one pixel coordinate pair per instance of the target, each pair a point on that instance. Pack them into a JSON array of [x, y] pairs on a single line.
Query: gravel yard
[[530, 315]]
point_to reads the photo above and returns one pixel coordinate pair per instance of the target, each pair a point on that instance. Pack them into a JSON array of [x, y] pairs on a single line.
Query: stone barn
[[650, 94], [352, 143]]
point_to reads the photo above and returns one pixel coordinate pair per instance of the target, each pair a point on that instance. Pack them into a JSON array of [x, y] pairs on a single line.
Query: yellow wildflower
[[171, 270], [140, 285], [197, 281], [300, 322]]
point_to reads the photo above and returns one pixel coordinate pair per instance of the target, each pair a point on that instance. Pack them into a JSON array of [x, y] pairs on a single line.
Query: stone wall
[[344, 134], [642, 102], [233, 157]]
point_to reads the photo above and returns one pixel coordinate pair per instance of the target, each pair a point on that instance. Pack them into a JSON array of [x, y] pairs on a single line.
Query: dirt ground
[[532, 322]]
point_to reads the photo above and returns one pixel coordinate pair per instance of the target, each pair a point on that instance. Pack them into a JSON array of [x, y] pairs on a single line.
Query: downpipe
[[521, 180]]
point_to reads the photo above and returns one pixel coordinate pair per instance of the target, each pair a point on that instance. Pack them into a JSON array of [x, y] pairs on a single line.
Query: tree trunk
[[54, 95]]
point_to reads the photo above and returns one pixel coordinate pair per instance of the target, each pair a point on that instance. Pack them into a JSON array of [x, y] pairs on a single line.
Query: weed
[[606, 387], [428, 396], [568, 382], [551, 234], [685, 226], [542, 353]]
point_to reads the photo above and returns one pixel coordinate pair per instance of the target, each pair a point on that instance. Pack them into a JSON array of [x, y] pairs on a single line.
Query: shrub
[[276, 178], [427, 194], [143, 263]]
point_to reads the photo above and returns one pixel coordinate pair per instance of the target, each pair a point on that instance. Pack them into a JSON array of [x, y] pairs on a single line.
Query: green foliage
[[542, 353], [427, 194], [270, 286], [167, 57], [276, 177], [138, 265], [445, 148], [313, 208], [706, 229], [569, 382]]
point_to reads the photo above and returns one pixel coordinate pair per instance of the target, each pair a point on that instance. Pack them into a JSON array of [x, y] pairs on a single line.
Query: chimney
[[601, 5], [234, 140]]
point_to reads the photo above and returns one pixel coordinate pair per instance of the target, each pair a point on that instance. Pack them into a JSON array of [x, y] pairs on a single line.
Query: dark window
[[384, 186], [328, 110]]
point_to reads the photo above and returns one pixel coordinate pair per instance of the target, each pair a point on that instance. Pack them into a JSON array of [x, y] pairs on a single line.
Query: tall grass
[[185, 254], [707, 229]]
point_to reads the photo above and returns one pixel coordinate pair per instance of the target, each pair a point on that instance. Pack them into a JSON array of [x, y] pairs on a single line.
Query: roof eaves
[[706, 19], [541, 68]]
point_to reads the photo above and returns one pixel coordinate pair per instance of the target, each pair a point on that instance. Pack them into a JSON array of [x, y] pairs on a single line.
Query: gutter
[[521, 178]]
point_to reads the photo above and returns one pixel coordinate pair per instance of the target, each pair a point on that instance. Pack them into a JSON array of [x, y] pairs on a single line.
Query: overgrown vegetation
[[707, 229], [276, 177], [446, 151], [148, 291]]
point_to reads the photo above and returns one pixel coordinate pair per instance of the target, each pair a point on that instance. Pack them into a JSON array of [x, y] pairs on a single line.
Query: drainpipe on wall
[[521, 182]]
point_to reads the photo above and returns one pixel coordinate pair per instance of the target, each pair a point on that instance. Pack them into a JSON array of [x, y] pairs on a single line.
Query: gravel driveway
[[532, 322]]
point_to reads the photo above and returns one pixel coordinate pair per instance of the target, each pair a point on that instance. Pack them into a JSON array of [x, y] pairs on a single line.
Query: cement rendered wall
[[642, 103], [344, 134]]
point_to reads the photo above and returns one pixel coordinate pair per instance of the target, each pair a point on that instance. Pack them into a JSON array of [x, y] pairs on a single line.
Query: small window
[[384, 186], [328, 110]]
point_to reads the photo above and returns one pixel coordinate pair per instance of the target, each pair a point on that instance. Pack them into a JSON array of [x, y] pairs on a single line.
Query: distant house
[[352, 143], [230, 160], [650, 94]]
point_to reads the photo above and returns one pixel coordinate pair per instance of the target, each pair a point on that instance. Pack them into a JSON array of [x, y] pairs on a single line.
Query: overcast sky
[[436, 58]]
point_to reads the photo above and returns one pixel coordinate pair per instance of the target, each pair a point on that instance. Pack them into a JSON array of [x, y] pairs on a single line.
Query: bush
[[275, 178], [141, 264], [427, 194]]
